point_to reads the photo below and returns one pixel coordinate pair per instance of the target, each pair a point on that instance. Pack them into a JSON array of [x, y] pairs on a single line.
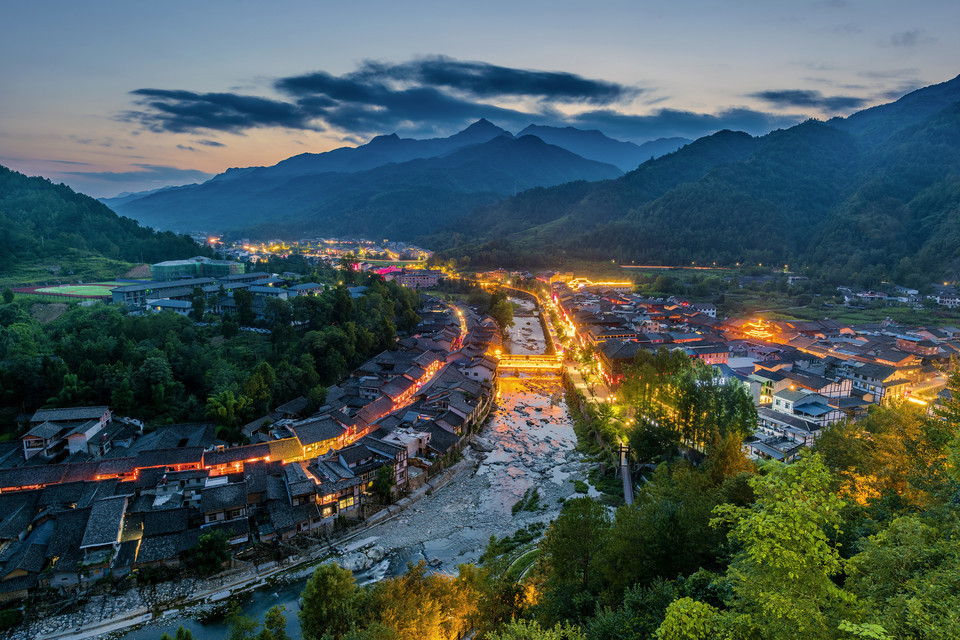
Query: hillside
[[875, 197], [399, 199], [594, 145], [48, 225]]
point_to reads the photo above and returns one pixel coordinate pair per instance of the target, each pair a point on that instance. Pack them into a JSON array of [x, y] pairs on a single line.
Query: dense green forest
[[872, 198], [859, 538], [166, 368], [48, 224]]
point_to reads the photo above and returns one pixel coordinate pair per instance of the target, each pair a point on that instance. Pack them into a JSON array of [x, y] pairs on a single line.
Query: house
[[305, 289], [101, 537], [711, 353], [222, 500], [807, 405], [707, 308], [180, 307], [67, 430], [318, 435], [882, 383]]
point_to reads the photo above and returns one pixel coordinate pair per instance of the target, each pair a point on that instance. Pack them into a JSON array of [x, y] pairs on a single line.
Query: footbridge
[[519, 363]]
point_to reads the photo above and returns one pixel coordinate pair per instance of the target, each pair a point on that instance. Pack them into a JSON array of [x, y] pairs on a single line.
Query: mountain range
[[867, 198], [391, 186]]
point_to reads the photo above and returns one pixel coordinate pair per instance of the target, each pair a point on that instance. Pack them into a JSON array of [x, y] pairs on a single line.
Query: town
[[87, 493]]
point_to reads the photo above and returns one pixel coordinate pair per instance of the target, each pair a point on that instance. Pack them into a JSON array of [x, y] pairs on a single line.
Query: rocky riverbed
[[528, 443]]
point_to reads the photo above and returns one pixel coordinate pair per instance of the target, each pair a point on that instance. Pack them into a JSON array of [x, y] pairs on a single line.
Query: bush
[[10, 618]]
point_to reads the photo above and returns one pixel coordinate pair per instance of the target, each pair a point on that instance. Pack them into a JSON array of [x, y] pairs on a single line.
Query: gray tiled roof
[[226, 496], [69, 414], [166, 521], [321, 430], [46, 430], [284, 517], [106, 520]]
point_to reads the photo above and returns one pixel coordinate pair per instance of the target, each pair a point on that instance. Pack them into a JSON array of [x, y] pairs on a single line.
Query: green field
[[93, 289]]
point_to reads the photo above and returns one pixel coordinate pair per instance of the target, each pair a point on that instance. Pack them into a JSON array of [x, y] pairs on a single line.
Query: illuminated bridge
[[519, 363]]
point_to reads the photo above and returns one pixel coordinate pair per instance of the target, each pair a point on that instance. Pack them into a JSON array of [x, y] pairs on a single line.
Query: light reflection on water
[[530, 426]]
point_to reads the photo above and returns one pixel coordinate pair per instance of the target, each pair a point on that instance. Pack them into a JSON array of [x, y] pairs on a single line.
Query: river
[[527, 442]]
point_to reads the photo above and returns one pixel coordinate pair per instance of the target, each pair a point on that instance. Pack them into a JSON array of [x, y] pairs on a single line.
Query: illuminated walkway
[[528, 364]]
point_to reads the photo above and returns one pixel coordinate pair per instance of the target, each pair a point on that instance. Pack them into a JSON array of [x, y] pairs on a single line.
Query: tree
[[909, 577], [665, 533], [229, 328], [330, 603], [198, 301], [122, 398], [7, 295], [384, 482], [274, 625], [502, 312], [226, 408], [569, 560], [781, 578], [210, 553], [182, 634], [244, 300], [531, 630], [418, 605]]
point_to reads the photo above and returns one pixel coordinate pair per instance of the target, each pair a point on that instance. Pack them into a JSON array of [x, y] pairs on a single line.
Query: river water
[[528, 442]]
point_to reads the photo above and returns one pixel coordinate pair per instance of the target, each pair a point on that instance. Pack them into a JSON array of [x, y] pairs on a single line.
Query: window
[[346, 503]]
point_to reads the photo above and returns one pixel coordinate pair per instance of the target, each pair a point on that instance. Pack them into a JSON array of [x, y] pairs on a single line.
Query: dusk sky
[[126, 96]]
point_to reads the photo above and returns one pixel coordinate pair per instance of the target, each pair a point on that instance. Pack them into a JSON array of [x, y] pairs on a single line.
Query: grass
[[71, 267], [42, 299], [520, 565], [498, 547], [529, 502], [81, 289], [845, 315]]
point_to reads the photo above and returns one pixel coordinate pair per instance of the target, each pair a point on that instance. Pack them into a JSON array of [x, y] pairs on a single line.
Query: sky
[[117, 96]]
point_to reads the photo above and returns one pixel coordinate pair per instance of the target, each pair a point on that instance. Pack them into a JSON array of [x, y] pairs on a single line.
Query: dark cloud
[[424, 96], [911, 38], [436, 96], [887, 74], [807, 98], [687, 124], [143, 177], [185, 111], [143, 173], [184, 147], [485, 80], [210, 143], [85, 164]]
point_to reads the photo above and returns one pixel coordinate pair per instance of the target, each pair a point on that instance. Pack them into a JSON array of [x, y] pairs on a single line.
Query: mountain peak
[[484, 128], [482, 123]]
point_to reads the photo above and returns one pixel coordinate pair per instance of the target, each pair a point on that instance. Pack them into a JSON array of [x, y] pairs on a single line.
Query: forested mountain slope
[[43, 222], [875, 197]]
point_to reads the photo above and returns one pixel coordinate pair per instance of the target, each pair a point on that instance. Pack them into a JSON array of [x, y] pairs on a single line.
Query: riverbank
[[527, 443]]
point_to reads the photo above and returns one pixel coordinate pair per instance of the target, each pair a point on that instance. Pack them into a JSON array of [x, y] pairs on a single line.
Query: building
[[198, 267], [415, 278]]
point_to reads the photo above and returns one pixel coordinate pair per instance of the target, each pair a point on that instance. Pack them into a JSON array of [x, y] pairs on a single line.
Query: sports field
[[92, 290]]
